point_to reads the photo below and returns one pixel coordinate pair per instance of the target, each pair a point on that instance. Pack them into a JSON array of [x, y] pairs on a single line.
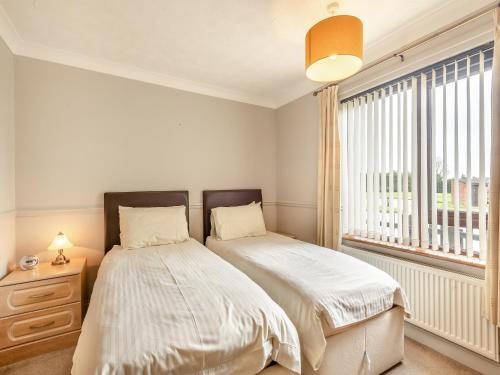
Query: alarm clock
[[29, 262]]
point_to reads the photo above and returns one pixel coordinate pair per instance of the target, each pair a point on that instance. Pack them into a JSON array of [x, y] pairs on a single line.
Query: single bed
[[178, 309], [349, 315]]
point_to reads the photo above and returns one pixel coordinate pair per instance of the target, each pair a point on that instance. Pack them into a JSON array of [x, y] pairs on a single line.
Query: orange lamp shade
[[334, 49]]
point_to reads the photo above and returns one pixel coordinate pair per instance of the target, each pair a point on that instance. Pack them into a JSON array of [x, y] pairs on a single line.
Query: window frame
[[462, 258]]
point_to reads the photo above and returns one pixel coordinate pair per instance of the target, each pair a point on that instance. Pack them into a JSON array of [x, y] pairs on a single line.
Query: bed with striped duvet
[[180, 309]]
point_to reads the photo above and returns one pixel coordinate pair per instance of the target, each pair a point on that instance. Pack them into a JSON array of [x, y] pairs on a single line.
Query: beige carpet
[[419, 360]]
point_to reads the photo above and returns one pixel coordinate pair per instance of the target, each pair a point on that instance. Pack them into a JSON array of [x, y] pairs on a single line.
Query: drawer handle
[[42, 295], [44, 325]]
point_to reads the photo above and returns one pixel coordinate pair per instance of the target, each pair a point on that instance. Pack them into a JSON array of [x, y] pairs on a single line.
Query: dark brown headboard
[[136, 199], [226, 198]]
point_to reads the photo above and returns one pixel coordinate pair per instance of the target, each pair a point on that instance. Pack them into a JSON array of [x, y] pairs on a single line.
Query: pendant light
[[334, 48]]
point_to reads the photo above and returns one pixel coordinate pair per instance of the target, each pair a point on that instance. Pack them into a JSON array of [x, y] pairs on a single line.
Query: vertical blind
[[416, 166]]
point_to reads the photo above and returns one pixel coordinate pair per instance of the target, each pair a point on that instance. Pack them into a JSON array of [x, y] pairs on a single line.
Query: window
[[417, 162]]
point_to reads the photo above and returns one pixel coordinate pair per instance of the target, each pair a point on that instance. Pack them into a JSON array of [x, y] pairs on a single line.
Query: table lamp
[[60, 243]]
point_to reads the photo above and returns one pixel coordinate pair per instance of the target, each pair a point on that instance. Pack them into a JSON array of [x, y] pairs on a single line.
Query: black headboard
[[136, 199], [226, 198]]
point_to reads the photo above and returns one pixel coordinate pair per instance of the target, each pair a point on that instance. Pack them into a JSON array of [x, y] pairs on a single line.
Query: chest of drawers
[[41, 309]]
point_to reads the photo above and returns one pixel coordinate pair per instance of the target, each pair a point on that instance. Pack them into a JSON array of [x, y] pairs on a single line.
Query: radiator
[[445, 303]]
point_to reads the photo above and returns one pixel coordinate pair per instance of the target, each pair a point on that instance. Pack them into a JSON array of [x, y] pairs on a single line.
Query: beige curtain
[[492, 289], [328, 220]]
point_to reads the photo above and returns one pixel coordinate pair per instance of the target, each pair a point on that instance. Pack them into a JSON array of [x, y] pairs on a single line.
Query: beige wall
[[297, 124], [297, 151], [81, 133], [7, 159]]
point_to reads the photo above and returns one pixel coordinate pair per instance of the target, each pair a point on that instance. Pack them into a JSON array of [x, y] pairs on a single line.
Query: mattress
[[180, 309], [317, 287]]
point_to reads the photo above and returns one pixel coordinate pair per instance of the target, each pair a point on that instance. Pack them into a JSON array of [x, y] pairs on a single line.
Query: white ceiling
[[246, 50]]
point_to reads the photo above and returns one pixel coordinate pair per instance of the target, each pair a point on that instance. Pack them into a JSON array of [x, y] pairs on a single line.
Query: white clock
[[29, 262]]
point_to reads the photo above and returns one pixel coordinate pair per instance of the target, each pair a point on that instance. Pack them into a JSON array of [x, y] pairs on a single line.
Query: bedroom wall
[[298, 122], [297, 125], [81, 133], [7, 159], [297, 149]]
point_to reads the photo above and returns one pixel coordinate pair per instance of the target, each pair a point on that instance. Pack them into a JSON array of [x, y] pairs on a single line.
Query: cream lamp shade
[[334, 49], [59, 243]]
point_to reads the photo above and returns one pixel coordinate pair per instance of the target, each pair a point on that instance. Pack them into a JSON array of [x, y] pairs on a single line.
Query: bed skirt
[[383, 338]]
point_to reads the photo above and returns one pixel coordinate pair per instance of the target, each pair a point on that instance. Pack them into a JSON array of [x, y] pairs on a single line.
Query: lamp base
[[60, 259]]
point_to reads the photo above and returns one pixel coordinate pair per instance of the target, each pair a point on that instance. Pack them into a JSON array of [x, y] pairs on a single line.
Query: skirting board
[[452, 350]]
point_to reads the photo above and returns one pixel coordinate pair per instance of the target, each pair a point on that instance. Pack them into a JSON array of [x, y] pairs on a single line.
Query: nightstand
[[41, 309]]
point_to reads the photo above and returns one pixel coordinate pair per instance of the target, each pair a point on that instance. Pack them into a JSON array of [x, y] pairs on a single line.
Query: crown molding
[[425, 23], [418, 27], [438, 18], [297, 91], [8, 32], [20, 47], [43, 52], [475, 33]]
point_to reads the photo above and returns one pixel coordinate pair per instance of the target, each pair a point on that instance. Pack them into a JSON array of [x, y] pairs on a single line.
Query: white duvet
[[312, 284], [180, 309]]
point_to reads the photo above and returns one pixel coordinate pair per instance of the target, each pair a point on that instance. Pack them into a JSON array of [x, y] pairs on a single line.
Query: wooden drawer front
[[20, 298], [23, 328]]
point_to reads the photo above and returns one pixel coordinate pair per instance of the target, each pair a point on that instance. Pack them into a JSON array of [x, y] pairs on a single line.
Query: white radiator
[[445, 303]]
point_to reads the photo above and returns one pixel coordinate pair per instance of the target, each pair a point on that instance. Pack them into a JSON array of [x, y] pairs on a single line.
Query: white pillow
[[213, 231], [239, 221], [150, 226]]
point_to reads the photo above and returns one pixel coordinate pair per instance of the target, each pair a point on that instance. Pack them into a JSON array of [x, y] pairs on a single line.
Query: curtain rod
[[399, 53], [487, 47]]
